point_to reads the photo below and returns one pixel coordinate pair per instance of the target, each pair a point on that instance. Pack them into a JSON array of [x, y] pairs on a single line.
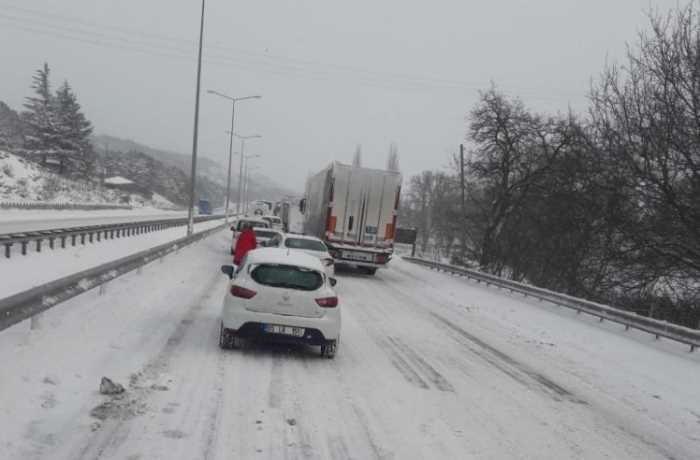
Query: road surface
[[429, 367], [26, 221]]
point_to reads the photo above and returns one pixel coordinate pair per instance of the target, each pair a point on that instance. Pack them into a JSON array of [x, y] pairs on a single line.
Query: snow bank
[[24, 181]]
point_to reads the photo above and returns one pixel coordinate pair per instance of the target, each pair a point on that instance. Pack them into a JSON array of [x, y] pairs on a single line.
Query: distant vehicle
[[283, 213], [262, 207], [308, 244], [275, 222], [263, 235], [353, 210], [240, 223], [204, 207], [280, 295]]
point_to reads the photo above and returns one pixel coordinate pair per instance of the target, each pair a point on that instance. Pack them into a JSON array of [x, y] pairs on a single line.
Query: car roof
[[267, 229], [284, 257], [302, 237], [252, 219]]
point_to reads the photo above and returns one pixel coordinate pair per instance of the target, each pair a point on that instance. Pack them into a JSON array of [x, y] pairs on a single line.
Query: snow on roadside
[[24, 181], [20, 273], [51, 376]]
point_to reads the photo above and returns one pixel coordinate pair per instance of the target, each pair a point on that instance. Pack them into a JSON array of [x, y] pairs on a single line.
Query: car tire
[[224, 338], [236, 342], [329, 349], [371, 270]]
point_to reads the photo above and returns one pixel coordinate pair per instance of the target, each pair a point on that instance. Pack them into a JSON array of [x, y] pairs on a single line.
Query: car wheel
[[329, 349], [370, 270], [236, 342], [224, 338]]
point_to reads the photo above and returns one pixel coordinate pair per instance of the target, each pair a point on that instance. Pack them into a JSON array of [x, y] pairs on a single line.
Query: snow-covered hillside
[[25, 181]]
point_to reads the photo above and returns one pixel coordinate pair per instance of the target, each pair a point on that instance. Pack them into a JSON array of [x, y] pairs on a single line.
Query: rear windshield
[[264, 233], [287, 276], [252, 223], [273, 220], [303, 243]]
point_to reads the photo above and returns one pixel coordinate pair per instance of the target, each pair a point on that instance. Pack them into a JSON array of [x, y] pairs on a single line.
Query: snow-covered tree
[[40, 116], [392, 161], [74, 132]]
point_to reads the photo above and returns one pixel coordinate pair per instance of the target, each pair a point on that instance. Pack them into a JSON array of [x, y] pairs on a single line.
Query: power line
[[44, 23]]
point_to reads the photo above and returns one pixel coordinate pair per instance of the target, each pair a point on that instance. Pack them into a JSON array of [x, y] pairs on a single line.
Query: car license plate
[[361, 256], [284, 330]]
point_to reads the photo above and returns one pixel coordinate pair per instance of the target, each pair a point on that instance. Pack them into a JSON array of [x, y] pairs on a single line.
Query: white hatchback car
[[275, 222], [308, 244], [280, 295]]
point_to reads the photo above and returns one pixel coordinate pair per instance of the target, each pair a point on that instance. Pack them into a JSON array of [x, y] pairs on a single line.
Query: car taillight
[[327, 302], [242, 292], [380, 258], [327, 262]]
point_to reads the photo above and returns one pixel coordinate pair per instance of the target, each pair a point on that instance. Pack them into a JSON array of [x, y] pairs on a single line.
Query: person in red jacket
[[244, 243]]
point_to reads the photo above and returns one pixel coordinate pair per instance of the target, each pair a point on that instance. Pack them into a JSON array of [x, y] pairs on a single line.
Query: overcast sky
[[333, 74]]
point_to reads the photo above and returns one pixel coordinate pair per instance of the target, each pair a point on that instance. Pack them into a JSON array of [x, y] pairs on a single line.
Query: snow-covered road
[[429, 367], [15, 221]]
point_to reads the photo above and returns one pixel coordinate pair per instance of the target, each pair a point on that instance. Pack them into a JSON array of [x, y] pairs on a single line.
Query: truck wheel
[[329, 349]]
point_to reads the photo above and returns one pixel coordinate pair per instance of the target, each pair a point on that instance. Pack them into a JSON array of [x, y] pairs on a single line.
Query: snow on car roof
[[303, 237], [285, 257]]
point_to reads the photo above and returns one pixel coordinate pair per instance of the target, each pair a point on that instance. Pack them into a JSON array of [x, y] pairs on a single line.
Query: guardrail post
[[51, 239], [63, 242], [7, 250], [82, 238], [99, 235], [38, 245], [24, 247]]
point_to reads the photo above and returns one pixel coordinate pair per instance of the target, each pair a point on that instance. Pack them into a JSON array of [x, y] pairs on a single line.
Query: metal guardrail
[[75, 235], [26, 304], [632, 320], [61, 206]]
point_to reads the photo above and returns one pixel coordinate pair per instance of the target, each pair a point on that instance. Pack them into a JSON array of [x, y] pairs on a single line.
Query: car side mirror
[[233, 228], [333, 281], [227, 270]]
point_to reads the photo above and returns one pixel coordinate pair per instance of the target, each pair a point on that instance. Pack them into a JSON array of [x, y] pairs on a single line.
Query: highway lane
[[429, 366]]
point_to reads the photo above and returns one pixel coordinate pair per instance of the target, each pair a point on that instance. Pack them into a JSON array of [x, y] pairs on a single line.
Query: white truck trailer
[[354, 210]]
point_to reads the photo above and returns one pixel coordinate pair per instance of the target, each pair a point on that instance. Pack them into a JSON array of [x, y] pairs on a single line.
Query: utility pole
[[464, 202], [193, 173]]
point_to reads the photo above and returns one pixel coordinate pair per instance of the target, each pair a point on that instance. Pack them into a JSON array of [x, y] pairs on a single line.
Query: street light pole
[[240, 169], [240, 178], [248, 168], [230, 145], [193, 172], [230, 154]]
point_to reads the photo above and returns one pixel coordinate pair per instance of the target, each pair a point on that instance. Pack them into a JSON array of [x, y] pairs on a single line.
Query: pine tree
[[357, 158], [74, 130], [392, 161], [40, 116]]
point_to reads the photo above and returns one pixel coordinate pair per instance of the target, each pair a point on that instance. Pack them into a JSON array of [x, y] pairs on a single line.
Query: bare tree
[[647, 116], [512, 149]]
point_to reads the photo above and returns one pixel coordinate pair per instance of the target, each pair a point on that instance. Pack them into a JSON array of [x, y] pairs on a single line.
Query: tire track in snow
[[116, 428], [432, 374], [509, 366]]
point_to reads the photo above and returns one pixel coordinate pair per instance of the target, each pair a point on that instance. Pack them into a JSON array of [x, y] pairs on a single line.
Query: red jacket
[[244, 243]]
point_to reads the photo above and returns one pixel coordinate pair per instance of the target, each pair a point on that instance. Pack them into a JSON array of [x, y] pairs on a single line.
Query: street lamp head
[[253, 136]]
